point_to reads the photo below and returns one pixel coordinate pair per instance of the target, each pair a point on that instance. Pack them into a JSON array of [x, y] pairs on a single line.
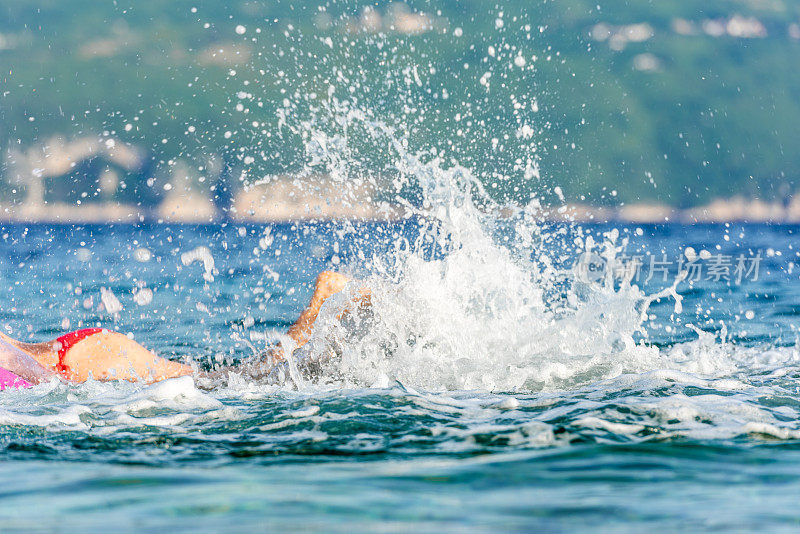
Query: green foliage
[[715, 116]]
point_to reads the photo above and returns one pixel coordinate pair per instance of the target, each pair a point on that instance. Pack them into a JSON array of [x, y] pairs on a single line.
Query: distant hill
[[665, 101]]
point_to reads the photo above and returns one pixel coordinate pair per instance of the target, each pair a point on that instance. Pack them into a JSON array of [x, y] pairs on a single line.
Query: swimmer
[[105, 355]]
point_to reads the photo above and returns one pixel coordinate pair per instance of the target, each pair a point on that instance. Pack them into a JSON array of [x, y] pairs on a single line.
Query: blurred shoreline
[[86, 180], [720, 210], [289, 201]]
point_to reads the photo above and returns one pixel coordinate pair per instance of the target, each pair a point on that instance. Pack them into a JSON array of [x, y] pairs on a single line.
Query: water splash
[[479, 298]]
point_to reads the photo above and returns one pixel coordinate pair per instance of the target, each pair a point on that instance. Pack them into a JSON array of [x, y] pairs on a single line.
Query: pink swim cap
[[10, 380]]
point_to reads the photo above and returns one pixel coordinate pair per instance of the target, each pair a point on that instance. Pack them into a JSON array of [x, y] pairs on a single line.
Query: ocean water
[[510, 374], [480, 393]]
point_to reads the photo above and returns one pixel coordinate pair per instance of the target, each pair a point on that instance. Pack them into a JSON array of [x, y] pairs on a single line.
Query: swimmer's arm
[[22, 364], [328, 283]]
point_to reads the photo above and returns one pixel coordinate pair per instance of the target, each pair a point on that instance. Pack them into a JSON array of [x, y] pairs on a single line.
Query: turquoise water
[[610, 429]]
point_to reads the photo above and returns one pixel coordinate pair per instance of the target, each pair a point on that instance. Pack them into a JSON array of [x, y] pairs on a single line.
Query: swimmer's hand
[[328, 283]]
